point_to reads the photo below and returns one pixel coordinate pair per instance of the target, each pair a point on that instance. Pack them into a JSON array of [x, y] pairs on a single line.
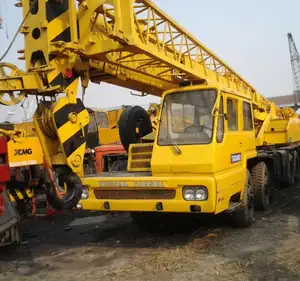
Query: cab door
[[229, 150]]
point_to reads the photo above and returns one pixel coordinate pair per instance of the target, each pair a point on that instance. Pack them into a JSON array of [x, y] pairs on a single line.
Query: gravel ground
[[114, 248]]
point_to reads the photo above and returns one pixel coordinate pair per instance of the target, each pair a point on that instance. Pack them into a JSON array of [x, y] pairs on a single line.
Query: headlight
[[93, 150], [85, 193], [201, 194], [189, 194], [197, 193]]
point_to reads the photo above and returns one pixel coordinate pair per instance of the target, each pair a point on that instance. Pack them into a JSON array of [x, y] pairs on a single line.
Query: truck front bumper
[[146, 194]]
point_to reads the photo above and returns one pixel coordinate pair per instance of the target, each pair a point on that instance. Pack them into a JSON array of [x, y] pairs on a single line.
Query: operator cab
[[199, 126]]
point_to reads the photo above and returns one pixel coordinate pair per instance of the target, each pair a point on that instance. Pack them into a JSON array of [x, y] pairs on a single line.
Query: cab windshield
[[186, 118]]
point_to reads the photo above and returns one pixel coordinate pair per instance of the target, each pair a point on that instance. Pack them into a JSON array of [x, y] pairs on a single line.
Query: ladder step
[[233, 206]]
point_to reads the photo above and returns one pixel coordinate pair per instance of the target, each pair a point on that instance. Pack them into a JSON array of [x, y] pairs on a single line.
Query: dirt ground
[[115, 249]]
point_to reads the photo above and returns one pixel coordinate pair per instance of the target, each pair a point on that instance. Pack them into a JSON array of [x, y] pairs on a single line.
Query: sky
[[250, 36]]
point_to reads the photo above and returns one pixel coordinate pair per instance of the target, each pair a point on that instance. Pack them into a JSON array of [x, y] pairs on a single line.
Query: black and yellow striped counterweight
[[19, 194]]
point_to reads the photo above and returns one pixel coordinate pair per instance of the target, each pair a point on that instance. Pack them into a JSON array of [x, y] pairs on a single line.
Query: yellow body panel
[[114, 116], [282, 131], [27, 127], [25, 152], [138, 183], [108, 136]]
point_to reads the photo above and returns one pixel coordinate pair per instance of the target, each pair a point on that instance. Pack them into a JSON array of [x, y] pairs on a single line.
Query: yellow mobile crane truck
[[219, 145]]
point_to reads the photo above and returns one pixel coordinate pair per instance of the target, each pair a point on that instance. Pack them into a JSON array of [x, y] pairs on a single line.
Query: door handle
[[241, 144]]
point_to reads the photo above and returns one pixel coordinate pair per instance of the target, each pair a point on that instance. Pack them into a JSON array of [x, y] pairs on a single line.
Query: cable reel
[[8, 70]]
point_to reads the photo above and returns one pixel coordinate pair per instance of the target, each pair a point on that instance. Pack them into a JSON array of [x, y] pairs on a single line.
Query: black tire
[[244, 215], [73, 192], [297, 166], [291, 177], [261, 186], [131, 119]]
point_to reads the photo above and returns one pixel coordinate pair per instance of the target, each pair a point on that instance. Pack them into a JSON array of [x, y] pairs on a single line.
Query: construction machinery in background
[[102, 130], [103, 139], [217, 145], [295, 63]]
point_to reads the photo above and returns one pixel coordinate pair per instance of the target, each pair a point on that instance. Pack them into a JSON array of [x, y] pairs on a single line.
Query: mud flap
[[9, 222]]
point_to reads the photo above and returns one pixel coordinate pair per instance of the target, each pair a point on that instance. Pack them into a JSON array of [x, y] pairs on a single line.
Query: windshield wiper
[[174, 144]]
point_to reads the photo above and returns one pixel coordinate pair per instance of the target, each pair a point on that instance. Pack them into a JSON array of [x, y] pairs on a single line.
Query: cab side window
[[220, 128], [92, 127], [232, 114], [102, 119], [247, 117]]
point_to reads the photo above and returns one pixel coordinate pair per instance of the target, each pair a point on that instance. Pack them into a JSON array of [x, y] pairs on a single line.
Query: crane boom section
[[141, 38], [130, 40], [147, 47]]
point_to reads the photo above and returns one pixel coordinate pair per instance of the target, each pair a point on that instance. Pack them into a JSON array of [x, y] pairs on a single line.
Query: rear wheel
[[261, 186], [291, 177], [243, 216], [297, 166]]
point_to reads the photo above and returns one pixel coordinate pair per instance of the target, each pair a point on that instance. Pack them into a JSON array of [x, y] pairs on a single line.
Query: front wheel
[[63, 188], [243, 216]]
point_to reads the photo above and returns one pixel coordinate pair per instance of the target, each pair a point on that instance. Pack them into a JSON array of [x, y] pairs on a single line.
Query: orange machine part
[[111, 149]]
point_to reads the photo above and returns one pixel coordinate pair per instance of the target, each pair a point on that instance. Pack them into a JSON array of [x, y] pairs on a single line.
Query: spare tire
[[134, 123], [63, 176]]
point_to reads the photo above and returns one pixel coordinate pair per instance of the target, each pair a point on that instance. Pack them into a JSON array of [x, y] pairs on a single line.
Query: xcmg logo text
[[23, 151]]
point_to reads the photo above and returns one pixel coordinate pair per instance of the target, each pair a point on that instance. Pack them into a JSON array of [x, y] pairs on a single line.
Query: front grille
[[135, 194]]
